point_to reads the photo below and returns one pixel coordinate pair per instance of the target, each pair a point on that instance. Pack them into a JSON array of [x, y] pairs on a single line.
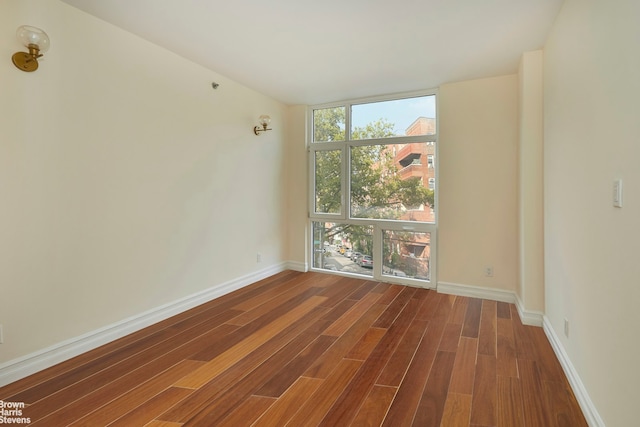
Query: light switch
[[617, 193]]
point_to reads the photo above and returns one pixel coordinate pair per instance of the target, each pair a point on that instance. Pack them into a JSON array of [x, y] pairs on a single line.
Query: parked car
[[366, 261], [355, 255], [348, 253]]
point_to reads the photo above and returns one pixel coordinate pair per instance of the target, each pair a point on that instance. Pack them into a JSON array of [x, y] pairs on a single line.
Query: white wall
[[478, 178], [531, 181], [592, 128], [126, 181], [297, 188]]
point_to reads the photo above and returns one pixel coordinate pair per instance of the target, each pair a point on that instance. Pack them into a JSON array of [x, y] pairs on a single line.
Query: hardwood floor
[[310, 349]]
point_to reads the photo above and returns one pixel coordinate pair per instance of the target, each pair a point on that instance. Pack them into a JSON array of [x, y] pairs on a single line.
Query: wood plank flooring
[[311, 349]]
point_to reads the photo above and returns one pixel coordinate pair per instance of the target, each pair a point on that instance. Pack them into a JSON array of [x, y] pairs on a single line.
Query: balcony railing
[[414, 169]]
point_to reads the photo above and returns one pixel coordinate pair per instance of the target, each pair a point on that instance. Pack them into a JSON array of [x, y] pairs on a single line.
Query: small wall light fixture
[[264, 122], [37, 41]]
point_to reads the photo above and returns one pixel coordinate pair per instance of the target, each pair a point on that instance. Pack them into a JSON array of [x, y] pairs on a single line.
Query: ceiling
[[311, 52]]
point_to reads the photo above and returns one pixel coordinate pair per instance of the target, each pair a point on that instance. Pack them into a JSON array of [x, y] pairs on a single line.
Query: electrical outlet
[[566, 328], [258, 257], [488, 271], [1, 335]]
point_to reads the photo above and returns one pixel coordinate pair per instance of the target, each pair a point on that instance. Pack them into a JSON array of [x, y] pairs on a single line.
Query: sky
[[401, 112]]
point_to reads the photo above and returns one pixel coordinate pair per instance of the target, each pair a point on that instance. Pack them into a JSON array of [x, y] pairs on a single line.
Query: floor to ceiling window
[[374, 188]]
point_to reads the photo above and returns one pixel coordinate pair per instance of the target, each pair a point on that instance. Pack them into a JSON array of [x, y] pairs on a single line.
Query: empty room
[[333, 213]]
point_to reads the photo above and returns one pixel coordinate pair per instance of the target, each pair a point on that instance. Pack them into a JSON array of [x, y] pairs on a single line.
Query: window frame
[[379, 225]]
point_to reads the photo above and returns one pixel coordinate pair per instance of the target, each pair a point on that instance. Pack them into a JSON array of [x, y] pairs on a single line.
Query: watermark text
[[12, 413]]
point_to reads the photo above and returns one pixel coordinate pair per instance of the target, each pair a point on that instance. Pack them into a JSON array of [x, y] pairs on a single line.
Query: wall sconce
[[264, 122], [37, 41]]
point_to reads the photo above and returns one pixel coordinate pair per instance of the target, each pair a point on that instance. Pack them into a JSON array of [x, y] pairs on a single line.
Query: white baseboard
[[16, 369], [528, 317], [588, 408], [476, 292], [532, 318], [302, 267]]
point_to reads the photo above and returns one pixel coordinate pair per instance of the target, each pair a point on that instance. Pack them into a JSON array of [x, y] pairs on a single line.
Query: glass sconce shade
[[264, 120], [34, 39], [29, 35]]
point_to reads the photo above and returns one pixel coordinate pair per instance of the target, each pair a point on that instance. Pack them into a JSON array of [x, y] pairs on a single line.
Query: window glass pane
[[329, 124], [406, 254], [343, 247], [401, 117], [392, 182], [328, 185]]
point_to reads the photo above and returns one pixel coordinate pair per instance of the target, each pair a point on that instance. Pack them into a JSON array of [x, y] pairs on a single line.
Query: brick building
[[418, 160], [409, 252]]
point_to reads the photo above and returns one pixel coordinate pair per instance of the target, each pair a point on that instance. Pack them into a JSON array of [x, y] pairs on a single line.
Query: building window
[[368, 177], [367, 158]]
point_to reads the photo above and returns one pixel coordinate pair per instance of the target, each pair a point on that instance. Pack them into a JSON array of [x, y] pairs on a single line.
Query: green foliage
[[377, 191], [328, 124], [381, 128], [328, 183], [362, 238]]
